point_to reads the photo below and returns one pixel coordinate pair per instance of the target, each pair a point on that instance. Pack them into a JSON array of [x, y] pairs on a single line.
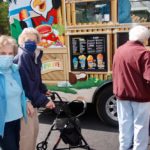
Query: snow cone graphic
[[90, 61], [75, 62], [82, 59], [100, 60]]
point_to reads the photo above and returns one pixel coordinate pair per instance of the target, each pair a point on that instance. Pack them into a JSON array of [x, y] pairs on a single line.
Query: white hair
[[139, 33], [8, 40], [25, 34]]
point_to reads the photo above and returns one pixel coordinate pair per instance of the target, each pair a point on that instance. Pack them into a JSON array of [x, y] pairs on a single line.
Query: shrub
[[4, 20]]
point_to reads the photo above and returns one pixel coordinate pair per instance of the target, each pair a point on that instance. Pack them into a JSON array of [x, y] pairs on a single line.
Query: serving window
[[140, 10], [88, 12]]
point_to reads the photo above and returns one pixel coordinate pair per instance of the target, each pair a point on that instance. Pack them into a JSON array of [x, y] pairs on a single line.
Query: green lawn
[[91, 82]]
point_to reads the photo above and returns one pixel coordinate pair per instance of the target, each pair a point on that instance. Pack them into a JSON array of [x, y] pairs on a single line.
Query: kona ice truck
[[79, 38]]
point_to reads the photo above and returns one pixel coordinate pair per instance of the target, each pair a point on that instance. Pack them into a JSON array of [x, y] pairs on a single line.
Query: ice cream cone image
[[24, 16], [100, 61], [82, 59], [90, 61]]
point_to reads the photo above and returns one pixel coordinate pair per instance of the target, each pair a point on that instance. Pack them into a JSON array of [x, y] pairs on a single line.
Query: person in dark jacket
[[29, 61], [131, 86]]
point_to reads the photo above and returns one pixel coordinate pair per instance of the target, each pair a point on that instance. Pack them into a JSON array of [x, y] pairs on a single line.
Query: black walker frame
[[44, 144]]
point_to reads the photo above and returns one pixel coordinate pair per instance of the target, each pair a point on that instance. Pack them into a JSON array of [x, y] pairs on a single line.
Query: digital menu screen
[[88, 52]]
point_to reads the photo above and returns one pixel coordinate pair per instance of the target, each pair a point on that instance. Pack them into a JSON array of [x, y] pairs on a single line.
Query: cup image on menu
[[100, 63], [75, 62], [90, 61], [82, 59]]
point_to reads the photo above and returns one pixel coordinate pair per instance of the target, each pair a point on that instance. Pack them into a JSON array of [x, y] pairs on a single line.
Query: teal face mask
[[6, 61]]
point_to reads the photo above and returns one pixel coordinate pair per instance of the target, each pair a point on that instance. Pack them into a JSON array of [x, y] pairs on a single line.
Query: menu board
[[88, 52], [122, 37]]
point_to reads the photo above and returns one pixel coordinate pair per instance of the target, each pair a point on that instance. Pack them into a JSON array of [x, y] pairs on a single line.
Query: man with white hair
[[131, 86]]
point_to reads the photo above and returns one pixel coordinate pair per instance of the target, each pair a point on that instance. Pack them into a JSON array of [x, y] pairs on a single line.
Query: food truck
[[79, 38]]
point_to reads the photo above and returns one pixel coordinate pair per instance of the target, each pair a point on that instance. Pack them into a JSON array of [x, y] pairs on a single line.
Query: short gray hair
[[25, 33], [8, 40], [139, 33]]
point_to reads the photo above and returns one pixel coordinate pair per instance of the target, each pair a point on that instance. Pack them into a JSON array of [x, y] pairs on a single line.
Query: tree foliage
[[8, 1], [4, 20], [11, 1]]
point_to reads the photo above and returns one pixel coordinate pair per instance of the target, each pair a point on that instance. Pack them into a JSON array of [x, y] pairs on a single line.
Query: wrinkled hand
[[48, 93], [30, 109], [50, 105]]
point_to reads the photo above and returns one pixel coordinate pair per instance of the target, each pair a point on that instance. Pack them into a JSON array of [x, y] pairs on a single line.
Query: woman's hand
[[30, 109], [48, 93], [50, 105]]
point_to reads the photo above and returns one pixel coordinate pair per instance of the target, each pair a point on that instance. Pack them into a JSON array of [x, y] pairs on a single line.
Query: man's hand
[[50, 105], [30, 109]]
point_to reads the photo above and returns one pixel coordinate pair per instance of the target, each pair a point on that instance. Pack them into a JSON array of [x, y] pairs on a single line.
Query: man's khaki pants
[[29, 132]]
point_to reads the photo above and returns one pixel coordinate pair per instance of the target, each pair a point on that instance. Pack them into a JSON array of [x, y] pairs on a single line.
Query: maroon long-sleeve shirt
[[131, 72]]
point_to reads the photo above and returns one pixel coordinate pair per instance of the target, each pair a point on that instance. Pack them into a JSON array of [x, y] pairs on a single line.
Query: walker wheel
[[42, 146]]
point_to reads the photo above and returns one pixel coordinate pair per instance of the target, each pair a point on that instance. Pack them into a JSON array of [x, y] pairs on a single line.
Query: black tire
[[106, 106]]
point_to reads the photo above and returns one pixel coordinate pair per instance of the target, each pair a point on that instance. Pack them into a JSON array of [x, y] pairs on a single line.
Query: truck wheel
[[106, 106]]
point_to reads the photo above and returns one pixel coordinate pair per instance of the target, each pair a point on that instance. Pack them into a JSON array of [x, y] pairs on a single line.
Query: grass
[[62, 89], [91, 82]]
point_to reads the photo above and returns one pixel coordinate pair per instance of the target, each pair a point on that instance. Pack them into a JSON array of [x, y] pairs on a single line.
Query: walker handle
[[53, 97], [84, 106], [77, 101]]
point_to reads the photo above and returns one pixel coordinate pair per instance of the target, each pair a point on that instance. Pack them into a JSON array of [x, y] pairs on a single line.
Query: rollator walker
[[68, 125]]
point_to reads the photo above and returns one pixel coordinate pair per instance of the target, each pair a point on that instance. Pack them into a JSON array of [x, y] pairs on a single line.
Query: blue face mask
[[6, 61], [30, 46]]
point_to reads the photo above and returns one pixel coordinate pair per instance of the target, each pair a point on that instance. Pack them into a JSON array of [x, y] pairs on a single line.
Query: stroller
[[68, 125]]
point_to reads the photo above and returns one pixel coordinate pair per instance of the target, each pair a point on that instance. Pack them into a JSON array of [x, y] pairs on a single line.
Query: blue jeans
[[133, 120], [11, 138]]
